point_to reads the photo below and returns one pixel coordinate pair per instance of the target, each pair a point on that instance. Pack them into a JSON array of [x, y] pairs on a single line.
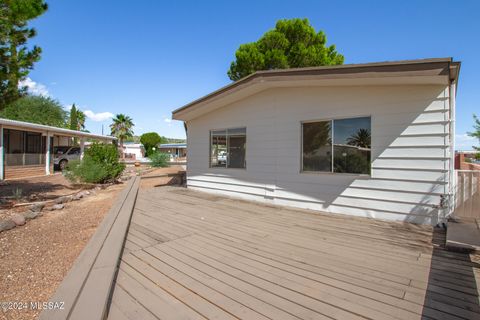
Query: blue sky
[[145, 58]]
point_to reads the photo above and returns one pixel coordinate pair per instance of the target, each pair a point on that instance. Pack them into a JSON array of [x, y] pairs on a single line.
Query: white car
[[62, 155], [222, 157]]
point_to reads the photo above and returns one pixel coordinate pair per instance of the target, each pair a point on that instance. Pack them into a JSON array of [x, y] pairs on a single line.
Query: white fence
[[467, 204]]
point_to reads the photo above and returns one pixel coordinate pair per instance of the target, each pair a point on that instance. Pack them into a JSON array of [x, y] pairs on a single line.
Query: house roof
[[21, 125], [174, 145], [420, 71]]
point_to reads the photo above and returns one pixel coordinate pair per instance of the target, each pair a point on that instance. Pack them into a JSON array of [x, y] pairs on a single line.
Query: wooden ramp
[[191, 255]]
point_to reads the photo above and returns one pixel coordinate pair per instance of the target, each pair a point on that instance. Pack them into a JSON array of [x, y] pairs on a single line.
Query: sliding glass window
[[227, 148], [350, 151]]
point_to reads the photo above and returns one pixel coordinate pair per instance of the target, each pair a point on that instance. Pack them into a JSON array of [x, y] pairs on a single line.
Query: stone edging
[[85, 291]]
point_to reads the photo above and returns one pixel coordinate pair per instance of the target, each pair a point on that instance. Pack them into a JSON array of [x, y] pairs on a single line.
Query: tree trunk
[[121, 149]]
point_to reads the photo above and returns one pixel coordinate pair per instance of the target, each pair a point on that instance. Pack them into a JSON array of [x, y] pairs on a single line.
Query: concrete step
[[463, 235]]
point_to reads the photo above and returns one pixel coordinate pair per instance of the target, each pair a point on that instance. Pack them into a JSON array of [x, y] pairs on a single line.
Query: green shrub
[[100, 164], [159, 159]]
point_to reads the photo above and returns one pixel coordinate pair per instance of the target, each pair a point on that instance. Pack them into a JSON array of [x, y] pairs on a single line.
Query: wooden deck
[[190, 255]]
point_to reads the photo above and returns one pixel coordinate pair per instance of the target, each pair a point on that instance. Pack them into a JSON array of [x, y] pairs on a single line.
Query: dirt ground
[[34, 258], [46, 186], [152, 180], [32, 190]]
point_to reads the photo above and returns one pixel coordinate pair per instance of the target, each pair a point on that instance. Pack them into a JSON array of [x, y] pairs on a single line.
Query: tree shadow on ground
[[26, 190], [451, 291]]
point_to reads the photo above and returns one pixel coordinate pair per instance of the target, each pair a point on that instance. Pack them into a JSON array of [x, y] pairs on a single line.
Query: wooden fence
[[467, 204]]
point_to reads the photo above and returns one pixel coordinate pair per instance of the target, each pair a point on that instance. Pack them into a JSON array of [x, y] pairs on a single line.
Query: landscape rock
[[77, 197], [18, 219], [37, 207], [58, 206], [7, 225], [30, 215], [63, 199]]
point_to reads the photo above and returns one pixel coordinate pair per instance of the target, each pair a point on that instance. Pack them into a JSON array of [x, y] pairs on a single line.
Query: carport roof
[[21, 125]]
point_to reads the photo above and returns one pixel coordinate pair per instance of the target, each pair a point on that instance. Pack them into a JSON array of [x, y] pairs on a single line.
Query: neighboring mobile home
[[26, 149], [373, 140], [175, 150], [133, 151]]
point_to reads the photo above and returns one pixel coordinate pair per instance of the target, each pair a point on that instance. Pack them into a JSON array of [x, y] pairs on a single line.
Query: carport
[[26, 149]]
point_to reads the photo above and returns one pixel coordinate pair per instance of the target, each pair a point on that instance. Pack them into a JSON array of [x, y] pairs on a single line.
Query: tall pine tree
[[16, 57], [73, 118]]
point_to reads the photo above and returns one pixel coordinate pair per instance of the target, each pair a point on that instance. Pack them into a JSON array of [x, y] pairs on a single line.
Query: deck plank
[[192, 255]]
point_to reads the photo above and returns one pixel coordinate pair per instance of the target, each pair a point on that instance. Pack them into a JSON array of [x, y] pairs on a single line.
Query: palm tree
[[122, 128], [362, 138], [80, 120]]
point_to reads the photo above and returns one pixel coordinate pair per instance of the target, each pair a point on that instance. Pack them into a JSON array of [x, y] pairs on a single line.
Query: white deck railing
[[467, 203]]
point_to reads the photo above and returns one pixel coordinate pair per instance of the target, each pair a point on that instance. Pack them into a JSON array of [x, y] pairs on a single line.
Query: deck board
[[191, 255]]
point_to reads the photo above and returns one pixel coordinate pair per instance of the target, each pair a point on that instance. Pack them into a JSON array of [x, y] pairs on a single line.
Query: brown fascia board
[[375, 69]]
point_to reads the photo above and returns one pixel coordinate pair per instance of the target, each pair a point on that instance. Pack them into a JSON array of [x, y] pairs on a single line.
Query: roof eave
[[372, 70], [44, 128]]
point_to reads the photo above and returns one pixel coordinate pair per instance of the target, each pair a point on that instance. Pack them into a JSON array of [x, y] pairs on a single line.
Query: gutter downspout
[[452, 176]]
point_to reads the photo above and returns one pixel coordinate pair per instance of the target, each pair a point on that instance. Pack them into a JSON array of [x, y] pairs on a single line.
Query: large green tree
[[122, 128], [476, 132], [293, 43], [151, 140], [37, 109], [16, 57]]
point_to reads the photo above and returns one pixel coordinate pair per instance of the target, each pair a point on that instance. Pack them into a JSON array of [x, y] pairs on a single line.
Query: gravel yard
[[34, 258]]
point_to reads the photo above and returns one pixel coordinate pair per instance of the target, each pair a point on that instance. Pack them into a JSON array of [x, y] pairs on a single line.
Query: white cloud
[[34, 87], [101, 116], [167, 120], [464, 142]]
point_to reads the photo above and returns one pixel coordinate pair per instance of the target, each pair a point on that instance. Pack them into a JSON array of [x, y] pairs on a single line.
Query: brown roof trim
[[377, 67]]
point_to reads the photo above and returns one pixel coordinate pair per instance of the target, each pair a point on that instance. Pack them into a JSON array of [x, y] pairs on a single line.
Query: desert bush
[[159, 159], [100, 164]]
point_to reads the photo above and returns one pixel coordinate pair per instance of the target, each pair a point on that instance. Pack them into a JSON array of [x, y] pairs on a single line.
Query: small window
[[342, 145], [227, 148]]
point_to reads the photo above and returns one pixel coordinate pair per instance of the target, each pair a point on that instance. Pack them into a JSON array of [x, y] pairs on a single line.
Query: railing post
[[470, 194]]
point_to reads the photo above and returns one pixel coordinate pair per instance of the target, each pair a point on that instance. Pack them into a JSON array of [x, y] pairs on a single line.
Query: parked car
[[222, 157], [62, 155]]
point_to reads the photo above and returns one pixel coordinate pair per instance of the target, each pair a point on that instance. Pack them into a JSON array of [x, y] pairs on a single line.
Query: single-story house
[[372, 140], [133, 151], [176, 150], [26, 149]]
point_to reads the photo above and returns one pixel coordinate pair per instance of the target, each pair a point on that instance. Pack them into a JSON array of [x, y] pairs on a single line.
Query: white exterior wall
[[410, 153]]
